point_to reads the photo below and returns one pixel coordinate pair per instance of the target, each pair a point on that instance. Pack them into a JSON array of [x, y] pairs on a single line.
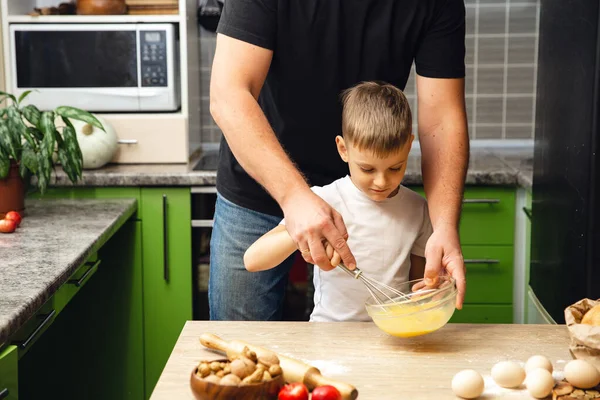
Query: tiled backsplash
[[501, 65]]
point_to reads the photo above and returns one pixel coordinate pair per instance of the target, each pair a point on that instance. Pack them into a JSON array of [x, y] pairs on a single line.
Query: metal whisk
[[382, 293]]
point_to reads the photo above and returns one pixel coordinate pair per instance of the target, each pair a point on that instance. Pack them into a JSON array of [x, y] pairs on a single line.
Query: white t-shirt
[[382, 236]]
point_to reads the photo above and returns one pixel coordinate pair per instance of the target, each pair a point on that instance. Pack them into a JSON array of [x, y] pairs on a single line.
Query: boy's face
[[378, 178]]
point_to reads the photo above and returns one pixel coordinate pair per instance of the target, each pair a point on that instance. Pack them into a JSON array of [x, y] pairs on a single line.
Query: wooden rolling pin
[[293, 370]]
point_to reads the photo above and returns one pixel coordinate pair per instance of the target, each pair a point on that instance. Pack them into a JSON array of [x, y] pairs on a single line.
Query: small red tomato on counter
[[326, 392], [293, 391], [7, 226], [15, 216]]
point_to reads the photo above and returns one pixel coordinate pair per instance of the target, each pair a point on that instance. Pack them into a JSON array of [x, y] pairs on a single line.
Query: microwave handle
[[141, 93]]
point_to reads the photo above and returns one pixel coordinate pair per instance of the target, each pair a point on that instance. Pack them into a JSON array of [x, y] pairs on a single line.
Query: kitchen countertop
[[378, 365], [509, 167], [54, 239]]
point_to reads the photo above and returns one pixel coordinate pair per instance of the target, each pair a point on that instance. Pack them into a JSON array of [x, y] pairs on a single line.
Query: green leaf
[[16, 128], [72, 150], [3, 112], [6, 141], [32, 114], [23, 95], [13, 98], [4, 164], [29, 159], [81, 115], [35, 133], [67, 164], [48, 129], [44, 169]]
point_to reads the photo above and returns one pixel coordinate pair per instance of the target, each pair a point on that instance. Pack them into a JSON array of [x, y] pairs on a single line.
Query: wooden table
[[379, 365]]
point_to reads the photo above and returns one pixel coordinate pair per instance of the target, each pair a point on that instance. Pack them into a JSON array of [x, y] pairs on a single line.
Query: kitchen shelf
[[78, 19]]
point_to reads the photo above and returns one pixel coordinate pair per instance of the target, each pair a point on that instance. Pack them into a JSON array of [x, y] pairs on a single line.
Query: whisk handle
[[353, 273]]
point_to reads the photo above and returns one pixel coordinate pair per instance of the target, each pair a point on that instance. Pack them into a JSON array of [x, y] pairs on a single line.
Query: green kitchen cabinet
[[489, 274], [487, 237], [488, 215], [167, 280], [9, 373], [94, 348], [483, 314]]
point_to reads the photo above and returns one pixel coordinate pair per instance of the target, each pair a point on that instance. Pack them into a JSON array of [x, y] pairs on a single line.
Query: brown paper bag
[[585, 339]]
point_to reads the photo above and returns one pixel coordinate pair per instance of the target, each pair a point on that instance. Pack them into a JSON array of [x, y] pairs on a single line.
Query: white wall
[[2, 61]]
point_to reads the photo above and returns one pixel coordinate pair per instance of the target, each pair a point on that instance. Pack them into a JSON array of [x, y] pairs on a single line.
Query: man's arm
[[445, 155], [238, 74]]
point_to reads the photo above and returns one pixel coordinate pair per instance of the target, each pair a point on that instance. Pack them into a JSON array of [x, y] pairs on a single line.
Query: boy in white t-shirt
[[388, 224]]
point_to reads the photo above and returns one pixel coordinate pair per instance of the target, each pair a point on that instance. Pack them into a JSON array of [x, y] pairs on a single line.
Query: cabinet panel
[[487, 217], [9, 373], [167, 278], [94, 348], [483, 314], [489, 274]]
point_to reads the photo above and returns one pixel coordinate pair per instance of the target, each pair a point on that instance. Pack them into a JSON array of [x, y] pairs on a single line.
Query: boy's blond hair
[[376, 117]]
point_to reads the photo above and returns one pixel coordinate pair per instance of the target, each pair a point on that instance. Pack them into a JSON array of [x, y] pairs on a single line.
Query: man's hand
[[310, 222], [443, 252]]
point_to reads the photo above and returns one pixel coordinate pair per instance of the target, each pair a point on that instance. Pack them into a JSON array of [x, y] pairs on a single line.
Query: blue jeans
[[233, 292]]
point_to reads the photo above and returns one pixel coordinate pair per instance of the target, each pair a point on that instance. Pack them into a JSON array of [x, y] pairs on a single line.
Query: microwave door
[[70, 64]]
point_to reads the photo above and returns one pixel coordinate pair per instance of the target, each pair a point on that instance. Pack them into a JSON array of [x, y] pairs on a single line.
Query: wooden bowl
[[101, 7], [204, 390]]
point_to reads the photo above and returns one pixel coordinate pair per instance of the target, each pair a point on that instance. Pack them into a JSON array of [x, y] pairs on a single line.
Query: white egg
[[582, 374], [539, 383], [538, 362], [508, 374], [468, 384]]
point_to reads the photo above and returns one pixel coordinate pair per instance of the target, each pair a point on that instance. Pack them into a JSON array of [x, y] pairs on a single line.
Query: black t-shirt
[[320, 48]]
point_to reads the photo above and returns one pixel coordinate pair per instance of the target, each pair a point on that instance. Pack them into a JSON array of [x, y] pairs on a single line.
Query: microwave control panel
[[153, 46]]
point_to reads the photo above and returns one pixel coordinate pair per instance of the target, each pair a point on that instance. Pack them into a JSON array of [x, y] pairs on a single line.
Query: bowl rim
[[448, 292]]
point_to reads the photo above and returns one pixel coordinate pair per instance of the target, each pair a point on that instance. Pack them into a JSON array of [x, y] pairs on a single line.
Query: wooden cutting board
[[378, 365]]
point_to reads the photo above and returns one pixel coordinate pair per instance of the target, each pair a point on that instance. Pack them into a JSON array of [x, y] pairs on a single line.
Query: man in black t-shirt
[[278, 71]]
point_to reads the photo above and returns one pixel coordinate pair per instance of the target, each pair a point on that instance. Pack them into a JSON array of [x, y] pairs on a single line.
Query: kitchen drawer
[[65, 293], [488, 215], [489, 274], [31, 331], [150, 138], [484, 314], [9, 370]]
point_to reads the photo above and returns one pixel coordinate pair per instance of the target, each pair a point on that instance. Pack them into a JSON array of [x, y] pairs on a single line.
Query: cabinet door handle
[[37, 330], [4, 393], [165, 240], [127, 141], [79, 282], [481, 201], [527, 212], [481, 261]]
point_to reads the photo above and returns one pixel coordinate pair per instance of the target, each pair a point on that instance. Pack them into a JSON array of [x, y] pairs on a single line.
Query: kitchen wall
[[501, 65]]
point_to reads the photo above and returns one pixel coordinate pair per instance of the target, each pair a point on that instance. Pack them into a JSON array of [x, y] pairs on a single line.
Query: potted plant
[[31, 143]]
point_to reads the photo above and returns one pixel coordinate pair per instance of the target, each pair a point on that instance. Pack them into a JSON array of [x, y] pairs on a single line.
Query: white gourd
[[97, 147]]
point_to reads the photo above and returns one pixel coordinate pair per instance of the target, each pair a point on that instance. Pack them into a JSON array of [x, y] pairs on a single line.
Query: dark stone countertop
[[54, 239], [506, 167]]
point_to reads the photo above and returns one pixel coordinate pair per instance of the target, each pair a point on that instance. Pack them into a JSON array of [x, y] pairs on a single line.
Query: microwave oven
[[97, 67]]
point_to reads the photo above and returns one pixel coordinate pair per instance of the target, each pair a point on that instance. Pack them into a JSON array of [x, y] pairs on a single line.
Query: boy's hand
[[443, 252], [310, 221], [334, 257]]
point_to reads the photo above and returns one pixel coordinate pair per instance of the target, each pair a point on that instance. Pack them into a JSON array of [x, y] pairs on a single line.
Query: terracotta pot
[[12, 191], [101, 7]]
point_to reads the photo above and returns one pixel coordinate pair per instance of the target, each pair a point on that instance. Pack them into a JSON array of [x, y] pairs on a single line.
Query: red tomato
[[293, 391], [326, 392], [15, 216], [7, 226]]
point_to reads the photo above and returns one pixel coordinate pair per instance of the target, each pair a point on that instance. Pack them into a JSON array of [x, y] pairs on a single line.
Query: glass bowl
[[420, 312]]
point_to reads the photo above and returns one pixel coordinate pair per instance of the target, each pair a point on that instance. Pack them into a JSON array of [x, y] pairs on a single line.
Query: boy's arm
[[417, 267], [269, 250]]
